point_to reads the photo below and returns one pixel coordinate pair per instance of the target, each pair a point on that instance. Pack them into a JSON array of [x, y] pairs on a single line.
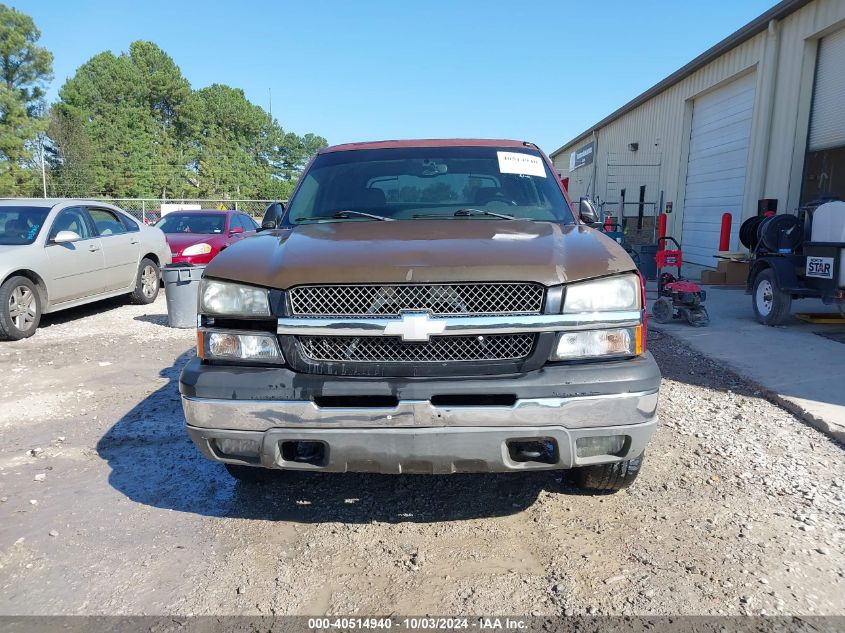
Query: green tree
[[294, 152], [228, 140], [71, 157], [129, 125], [239, 151], [25, 69], [129, 107]]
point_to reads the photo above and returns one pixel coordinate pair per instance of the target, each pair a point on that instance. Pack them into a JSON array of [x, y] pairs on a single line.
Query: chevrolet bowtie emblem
[[415, 326]]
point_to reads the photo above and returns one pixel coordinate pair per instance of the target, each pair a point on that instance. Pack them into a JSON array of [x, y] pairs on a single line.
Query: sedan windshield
[[21, 225], [206, 223], [419, 183]]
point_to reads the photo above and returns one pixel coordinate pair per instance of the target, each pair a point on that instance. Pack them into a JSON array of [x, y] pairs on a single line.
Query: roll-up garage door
[[718, 162], [827, 123]]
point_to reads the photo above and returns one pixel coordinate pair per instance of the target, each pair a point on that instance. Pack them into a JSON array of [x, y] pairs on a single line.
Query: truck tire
[[251, 474], [20, 309], [607, 477], [771, 304], [147, 282]]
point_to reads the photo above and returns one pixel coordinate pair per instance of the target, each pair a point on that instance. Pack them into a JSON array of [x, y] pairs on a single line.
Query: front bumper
[[558, 405], [430, 450]]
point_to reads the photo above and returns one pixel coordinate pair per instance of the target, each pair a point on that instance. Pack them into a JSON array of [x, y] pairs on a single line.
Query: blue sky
[[375, 69]]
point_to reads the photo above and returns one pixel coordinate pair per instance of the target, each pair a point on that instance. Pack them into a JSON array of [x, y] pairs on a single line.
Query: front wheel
[[20, 309], [147, 282], [771, 304], [607, 477]]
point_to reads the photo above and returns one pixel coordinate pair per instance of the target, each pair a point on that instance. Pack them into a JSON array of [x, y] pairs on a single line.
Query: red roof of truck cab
[[429, 142]]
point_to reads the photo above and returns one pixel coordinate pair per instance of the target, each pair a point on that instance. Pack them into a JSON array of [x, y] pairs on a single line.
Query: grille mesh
[[377, 349], [439, 299]]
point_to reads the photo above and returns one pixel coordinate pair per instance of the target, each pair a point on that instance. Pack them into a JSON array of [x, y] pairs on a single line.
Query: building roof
[[757, 25]]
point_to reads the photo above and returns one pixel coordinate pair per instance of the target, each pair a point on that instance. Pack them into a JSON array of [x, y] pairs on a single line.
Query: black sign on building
[[581, 157]]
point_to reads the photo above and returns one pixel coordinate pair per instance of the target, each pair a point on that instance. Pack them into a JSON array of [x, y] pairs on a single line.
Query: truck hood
[[460, 250]]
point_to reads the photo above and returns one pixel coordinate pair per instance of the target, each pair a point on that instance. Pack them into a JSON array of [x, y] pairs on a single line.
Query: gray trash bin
[[181, 283]]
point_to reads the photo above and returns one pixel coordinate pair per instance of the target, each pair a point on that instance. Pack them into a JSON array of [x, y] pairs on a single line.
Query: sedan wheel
[[149, 281], [20, 308]]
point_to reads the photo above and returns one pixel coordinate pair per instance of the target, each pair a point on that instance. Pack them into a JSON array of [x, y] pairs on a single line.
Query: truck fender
[[783, 268]]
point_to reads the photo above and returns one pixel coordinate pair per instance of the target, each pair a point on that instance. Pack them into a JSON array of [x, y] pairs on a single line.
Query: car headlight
[[612, 295], [618, 293], [611, 343], [239, 346], [197, 249], [223, 298]]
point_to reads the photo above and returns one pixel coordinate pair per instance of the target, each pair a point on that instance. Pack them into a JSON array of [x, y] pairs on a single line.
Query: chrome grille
[[377, 349], [438, 299]]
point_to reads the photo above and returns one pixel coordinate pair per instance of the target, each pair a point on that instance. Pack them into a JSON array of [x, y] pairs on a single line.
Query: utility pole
[[270, 93], [43, 170]]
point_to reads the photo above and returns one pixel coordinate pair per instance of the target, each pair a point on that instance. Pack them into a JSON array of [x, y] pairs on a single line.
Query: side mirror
[[66, 237], [273, 216], [235, 230], [588, 212]]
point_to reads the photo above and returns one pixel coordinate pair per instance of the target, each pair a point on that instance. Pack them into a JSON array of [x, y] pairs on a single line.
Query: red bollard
[[661, 225], [725, 234]]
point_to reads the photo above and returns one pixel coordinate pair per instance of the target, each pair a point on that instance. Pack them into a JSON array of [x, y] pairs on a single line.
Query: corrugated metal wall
[[784, 62]]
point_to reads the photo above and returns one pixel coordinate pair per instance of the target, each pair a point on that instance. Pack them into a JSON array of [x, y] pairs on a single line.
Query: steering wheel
[[500, 197]]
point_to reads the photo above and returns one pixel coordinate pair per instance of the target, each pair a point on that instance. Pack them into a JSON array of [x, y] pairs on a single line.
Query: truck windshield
[[419, 183], [21, 225]]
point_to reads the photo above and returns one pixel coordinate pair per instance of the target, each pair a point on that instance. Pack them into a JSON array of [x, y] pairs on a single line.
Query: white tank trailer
[[795, 257]]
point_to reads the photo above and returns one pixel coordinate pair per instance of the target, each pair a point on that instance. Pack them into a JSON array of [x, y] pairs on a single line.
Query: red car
[[196, 237]]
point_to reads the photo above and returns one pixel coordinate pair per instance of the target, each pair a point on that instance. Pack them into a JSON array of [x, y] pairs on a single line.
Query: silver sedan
[[57, 254]]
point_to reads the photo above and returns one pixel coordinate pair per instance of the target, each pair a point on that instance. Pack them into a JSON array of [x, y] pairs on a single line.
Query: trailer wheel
[[771, 304]]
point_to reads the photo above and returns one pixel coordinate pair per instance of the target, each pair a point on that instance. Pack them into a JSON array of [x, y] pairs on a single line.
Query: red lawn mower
[[677, 298]]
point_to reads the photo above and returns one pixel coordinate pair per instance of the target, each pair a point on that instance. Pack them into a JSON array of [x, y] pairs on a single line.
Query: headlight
[[237, 346], [621, 292], [224, 298], [197, 249], [618, 342]]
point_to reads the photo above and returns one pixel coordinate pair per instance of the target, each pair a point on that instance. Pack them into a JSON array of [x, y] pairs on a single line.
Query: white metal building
[[759, 115]]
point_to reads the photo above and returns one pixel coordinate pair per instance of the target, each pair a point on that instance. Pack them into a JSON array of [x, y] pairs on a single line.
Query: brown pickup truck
[[424, 307]]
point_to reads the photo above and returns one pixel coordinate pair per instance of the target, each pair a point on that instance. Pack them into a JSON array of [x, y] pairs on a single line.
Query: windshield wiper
[[345, 214], [470, 212], [342, 215]]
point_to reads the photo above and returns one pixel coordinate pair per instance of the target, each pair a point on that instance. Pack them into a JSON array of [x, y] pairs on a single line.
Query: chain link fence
[[149, 209]]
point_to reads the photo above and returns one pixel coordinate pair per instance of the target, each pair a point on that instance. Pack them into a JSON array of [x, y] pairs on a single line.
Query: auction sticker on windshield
[[523, 164]]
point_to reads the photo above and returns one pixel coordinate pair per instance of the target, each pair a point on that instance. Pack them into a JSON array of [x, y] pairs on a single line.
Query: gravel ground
[[106, 507]]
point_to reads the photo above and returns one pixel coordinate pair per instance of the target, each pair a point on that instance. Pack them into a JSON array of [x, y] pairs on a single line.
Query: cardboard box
[[712, 277], [736, 273]]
